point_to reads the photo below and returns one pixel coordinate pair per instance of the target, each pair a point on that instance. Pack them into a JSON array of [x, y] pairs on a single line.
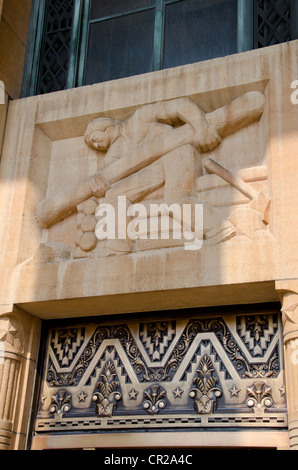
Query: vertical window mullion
[[245, 25], [74, 47], [34, 47], [294, 20], [84, 43], [158, 35]]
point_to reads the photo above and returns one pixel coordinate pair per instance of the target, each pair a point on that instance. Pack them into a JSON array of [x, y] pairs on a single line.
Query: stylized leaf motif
[[206, 392], [107, 391]]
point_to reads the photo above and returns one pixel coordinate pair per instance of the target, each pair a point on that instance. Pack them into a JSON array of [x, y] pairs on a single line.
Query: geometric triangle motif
[[65, 343], [257, 332], [156, 338]]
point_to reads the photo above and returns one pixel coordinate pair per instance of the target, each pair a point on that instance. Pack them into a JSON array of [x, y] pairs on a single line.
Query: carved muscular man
[[150, 150]]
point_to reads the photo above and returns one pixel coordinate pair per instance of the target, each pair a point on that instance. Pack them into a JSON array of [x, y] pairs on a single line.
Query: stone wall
[[221, 133], [14, 24]]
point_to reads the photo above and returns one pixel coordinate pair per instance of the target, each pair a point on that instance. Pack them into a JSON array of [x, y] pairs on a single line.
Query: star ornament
[[82, 396], [133, 394], [234, 391], [291, 313], [7, 331], [282, 391], [178, 392]]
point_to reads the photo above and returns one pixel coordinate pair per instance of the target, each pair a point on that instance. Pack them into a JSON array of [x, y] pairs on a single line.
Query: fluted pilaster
[[288, 292], [17, 343]]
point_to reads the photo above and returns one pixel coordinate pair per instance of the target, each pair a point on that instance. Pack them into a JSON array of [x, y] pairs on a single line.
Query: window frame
[[80, 32], [244, 32]]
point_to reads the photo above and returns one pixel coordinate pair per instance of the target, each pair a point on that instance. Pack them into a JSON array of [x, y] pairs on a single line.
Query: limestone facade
[[221, 134], [14, 25]]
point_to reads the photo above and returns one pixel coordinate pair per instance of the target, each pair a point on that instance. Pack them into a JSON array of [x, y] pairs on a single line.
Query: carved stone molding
[[288, 293]]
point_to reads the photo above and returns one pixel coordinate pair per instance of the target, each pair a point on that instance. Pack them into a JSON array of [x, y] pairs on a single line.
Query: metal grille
[[56, 46], [201, 372], [272, 22]]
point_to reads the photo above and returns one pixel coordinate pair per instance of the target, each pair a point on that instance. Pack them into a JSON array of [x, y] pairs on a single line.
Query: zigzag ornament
[[65, 344], [156, 338], [258, 338]]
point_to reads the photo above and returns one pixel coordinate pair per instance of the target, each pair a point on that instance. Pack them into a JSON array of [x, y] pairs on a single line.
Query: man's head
[[101, 132]]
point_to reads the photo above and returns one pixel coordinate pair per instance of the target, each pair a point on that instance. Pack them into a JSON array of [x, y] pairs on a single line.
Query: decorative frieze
[[168, 372]]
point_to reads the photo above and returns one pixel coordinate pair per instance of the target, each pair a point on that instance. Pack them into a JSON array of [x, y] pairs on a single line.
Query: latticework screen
[[272, 22], [56, 46]]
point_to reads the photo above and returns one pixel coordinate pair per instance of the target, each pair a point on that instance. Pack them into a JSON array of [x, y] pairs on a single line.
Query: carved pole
[[289, 301], [11, 345], [19, 342]]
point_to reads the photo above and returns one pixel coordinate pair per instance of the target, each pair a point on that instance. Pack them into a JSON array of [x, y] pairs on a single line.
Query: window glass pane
[[198, 30], [101, 8], [120, 47]]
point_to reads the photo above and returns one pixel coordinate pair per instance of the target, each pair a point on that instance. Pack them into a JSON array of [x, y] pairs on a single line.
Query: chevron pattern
[[175, 372]]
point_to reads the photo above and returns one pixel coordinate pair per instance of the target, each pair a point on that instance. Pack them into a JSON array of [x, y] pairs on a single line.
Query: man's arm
[[182, 109], [65, 202]]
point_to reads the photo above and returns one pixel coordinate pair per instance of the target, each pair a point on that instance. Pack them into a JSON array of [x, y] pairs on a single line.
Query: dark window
[[190, 31], [79, 42], [120, 47], [105, 8]]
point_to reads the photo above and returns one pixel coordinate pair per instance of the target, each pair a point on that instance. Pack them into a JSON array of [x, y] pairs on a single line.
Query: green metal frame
[[158, 35], [294, 19], [83, 48], [75, 42], [34, 45], [245, 25], [245, 31], [80, 34]]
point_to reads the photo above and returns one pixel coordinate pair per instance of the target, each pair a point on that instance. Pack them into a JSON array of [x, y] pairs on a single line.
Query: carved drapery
[[178, 373]]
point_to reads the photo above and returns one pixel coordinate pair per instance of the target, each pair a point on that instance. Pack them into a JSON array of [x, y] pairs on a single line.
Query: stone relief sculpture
[[155, 154]]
